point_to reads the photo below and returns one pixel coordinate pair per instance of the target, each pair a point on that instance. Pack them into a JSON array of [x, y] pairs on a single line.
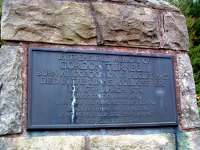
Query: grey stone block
[[43, 143], [133, 142], [11, 89], [188, 105]]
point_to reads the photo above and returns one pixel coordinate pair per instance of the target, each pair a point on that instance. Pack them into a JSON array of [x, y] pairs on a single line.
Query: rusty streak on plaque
[[71, 90]]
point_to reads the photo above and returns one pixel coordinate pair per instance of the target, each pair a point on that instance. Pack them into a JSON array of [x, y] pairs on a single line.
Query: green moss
[[183, 141]]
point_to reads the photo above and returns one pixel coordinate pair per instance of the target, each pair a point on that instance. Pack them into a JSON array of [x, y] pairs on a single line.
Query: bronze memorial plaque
[[79, 89]]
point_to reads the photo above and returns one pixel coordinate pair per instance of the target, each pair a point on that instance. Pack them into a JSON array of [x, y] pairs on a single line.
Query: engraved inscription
[[93, 89]]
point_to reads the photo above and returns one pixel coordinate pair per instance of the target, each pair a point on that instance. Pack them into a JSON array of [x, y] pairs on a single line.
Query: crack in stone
[[73, 104], [87, 143], [1, 86], [161, 28], [100, 40]]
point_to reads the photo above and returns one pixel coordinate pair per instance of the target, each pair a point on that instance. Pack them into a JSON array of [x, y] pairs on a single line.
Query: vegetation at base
[[191, 9]]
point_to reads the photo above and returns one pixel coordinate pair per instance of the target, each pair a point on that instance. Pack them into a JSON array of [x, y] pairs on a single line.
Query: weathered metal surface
[[70, 89]]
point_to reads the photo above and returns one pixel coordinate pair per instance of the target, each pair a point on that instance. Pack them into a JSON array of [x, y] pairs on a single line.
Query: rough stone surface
[[70, 23], [133, 142], [11, 89], [189, 111], [127, 23], [123, 25], [157, 4], [189, 140], [43, 143], [175, 34]]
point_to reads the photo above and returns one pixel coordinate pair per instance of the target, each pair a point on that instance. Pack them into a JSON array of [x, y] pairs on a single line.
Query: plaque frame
[[96, 126]]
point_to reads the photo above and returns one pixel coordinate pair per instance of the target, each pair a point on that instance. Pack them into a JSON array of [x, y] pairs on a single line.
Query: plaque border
[[30, 126]]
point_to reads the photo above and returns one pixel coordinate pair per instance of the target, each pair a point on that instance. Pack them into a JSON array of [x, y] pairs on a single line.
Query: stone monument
[[96, 75]]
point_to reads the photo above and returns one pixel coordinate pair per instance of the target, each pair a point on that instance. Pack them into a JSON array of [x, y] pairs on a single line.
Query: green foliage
[[191, 9], [199, 113], [193, 23], [1, 1]]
